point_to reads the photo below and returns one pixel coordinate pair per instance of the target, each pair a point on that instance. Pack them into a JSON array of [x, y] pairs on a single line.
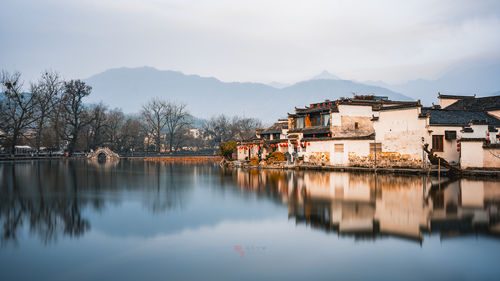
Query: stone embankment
[[433, 170]]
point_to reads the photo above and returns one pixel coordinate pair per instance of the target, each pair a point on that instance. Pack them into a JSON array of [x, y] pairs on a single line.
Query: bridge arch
[[103, 153]]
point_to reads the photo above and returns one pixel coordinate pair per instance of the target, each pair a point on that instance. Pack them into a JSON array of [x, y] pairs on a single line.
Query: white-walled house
[[370, 131]]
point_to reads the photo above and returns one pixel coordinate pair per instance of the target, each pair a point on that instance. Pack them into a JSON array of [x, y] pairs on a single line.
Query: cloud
[[250, 40]]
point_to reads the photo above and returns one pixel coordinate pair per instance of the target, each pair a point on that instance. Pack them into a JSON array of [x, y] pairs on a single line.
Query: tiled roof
[[454, 96], [458, 117], [315, 109], [274, 129], [472, 139], [312, 130], [367, 137], [401, 106], [476, 104]]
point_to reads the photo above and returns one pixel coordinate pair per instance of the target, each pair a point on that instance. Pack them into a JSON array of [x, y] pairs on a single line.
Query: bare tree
[[98, 125], [243, 128], [114, 123], [75, 112], [46, 92], [217, 130], [177, 120], [221, 128], [155, 119], [17, 109], [132, 135]]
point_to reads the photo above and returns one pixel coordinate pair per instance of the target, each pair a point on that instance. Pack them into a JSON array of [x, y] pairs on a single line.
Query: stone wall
[[384, 160]]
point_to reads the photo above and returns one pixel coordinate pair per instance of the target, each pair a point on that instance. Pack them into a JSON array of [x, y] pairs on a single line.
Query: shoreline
[[397, 171], [471, 173], [145, 158]]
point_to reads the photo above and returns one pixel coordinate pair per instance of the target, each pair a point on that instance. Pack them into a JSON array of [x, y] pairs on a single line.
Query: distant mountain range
[[130, 88], [482, 79]]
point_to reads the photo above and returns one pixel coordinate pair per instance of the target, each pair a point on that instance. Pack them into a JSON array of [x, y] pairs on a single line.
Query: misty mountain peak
[[325, 75]]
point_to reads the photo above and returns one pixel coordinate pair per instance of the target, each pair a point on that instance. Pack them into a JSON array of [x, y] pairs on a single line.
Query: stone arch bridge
[[103, 153]]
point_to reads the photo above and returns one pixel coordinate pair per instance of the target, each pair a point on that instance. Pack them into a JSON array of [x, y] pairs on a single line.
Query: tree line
[[52, 116]]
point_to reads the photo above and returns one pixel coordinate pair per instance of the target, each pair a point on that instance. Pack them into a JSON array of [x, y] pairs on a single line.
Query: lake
[[138, 220]]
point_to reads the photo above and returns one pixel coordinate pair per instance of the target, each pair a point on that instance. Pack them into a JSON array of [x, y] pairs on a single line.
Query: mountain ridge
[[130, 88]]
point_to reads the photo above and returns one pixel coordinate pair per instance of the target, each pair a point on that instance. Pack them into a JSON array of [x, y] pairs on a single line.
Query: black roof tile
[[459, 117], [476, 104]]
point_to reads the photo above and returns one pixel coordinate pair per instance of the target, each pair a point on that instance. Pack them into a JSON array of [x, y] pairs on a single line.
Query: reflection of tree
[[47, 198], [167, 192], [46, 215]]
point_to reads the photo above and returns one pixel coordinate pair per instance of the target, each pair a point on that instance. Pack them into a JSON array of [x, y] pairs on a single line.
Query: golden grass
[[191, 159]]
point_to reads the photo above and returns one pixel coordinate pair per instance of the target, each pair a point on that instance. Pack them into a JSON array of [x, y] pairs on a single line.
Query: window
[[375, 147], [276, 136], [450, 135], [315, 120], [437, 143], [339, 147], [299, 123], [356, 125], [326, 120]]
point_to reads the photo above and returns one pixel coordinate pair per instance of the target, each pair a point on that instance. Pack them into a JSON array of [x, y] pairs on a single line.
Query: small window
[[450, 135], [375, 147], [437, 143], [299, 123], [326, 120], [356, 125], [339, 147]]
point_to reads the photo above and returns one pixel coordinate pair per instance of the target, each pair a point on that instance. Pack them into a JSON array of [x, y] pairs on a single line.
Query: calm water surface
[[134, 220]]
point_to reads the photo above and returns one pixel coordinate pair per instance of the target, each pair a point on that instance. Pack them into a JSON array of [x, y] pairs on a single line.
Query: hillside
[[129, 88]]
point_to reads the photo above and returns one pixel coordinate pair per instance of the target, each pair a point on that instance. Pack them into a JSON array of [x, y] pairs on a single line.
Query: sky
[[256, 40]]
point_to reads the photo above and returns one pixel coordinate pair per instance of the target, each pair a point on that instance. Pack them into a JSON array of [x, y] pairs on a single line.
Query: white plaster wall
[[355, 110], [472, 154], [242, 153], [450, 152], [491, 158], [480, 131], [401, 131], [446, 102], [336, 119], [359, 147], [495, 113], [318, 146]]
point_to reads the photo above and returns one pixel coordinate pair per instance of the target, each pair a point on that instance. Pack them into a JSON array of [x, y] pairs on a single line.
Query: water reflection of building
[[371, 206]]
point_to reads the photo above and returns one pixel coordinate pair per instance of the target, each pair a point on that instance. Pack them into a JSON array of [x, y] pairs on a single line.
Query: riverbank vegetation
[[51, 115]]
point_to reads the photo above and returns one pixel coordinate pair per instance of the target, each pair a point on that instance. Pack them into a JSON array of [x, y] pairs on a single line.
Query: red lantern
[[328, 134], [458, 149], [308, 143], [314, 135]]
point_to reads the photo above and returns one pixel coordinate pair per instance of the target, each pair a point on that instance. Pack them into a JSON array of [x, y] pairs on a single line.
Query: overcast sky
[[255, 40]]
